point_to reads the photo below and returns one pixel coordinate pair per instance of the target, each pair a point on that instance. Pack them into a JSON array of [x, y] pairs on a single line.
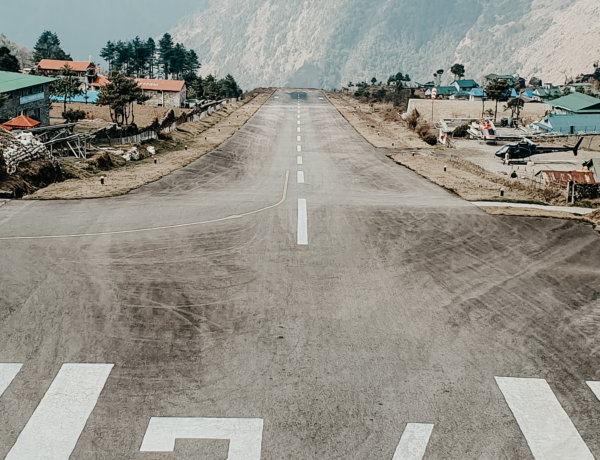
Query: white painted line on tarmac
[[299, 138], [547, 428], [301, 177], [299, 160], [302, 223], [298, 129], [594, 386], [164, 227], [413, 443], [54, 428], [299, 148], [244, 435], [298, 122], [8, 371]]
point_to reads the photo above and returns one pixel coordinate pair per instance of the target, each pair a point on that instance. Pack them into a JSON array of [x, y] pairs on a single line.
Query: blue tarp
[[92, 98], [478, 92]]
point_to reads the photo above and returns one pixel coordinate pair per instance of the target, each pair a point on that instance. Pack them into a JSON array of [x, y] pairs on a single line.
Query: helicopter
[[527, 148]]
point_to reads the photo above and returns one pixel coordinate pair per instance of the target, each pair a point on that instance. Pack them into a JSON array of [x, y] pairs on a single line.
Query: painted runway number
[[244, 435]]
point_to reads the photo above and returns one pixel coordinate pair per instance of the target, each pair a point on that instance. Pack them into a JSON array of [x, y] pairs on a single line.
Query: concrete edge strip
[[502, 204], [165, 227]]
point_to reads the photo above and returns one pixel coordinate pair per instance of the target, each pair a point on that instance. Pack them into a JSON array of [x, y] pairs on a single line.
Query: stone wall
[[166, 98], [38, 110]]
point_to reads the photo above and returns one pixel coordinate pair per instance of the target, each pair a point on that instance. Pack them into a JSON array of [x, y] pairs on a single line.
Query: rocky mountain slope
[[326, 43], [24, 55]]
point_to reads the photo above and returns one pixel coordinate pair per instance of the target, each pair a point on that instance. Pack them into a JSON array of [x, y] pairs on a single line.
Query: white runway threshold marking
[[413, 443], [244, 435], [299, 160], [594, 386], [547, 428], [54, 428], [8, 371], [301, 177], [302, 223]]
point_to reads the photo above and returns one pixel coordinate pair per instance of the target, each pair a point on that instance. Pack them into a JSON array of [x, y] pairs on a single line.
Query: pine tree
[[165, 51], [48, 47], [67, 86], [8, 62]]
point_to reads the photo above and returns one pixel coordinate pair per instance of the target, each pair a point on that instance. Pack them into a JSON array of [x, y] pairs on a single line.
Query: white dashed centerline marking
[[299, 160], [8, 371], [244, 435], [413, 443], [302, 223], [547, 428], [299, 138], [54, 428], [299, 148], [298, 129], [298, 122], [301, 177]]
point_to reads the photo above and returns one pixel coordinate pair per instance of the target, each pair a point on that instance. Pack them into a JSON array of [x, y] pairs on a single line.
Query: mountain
[[326, 43], [24, 55]]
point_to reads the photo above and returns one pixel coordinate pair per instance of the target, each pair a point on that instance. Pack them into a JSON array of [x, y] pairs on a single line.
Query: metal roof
[[578, 103], [55, 64], [466, 83], [160, 85], [12, 81], [563, 177]]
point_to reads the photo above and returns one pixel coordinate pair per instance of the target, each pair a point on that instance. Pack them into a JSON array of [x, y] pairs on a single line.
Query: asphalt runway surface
[[238, 308]]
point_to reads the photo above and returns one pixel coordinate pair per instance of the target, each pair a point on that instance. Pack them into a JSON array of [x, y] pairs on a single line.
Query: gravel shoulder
[[200, 138]]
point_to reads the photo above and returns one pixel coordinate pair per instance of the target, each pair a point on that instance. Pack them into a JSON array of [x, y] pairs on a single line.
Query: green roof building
[[28, 95], [465, 85], [573, 114]]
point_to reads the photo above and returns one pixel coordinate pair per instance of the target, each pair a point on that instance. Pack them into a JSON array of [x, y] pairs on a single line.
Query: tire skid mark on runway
[[164, 227]]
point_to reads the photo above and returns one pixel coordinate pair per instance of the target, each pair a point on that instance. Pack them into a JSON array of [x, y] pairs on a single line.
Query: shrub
[[73, 116], [461, 131], [431, 139], [413, 119]]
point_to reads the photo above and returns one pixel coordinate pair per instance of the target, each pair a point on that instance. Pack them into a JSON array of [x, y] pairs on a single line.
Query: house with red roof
[[163, 93], [85, 70]]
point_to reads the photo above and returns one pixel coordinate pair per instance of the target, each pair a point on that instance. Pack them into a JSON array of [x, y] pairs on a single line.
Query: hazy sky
[[84, 27]]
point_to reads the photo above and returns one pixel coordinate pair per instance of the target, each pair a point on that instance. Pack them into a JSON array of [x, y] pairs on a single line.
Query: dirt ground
[[171, 155], [144, 114], [466, 109], [380, 125]]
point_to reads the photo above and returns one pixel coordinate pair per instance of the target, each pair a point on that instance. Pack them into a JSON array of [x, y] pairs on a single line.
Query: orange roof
[[160, 85], [101, 81], [54, 64], [21, 122]]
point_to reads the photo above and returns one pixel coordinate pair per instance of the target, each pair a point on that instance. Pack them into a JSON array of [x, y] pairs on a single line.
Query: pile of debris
[[20, 148]]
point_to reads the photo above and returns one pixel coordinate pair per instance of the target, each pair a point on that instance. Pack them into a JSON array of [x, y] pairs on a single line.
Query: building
[[465, 85], [164, 93], [572, 114], [477, 94], [99, 83], [28, 95], [86, 71], [511, 79], [547, 93]]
